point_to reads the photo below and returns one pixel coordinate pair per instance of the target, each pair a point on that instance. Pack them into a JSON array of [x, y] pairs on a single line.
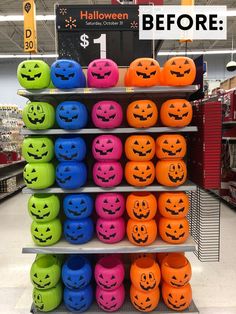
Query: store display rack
[[187, 186], [127, 308], [95, 246]]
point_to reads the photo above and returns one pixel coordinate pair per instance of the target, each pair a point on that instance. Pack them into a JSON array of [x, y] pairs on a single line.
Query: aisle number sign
[[30, 33]]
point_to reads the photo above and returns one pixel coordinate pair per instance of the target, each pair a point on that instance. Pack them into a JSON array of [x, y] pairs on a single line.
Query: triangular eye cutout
[[60, 146], [168, 201], [105, 202], [186, 62], [117, 200], [99, 169], [178, 142], [173, 63], [57, 66], [112, 227], [184, 106], [182, 297], [170, 295], [149, 106], [181, 201], [168, 226], [73, 146], [97, 142], [33, 171], [148, 168], [111, 168], [70, 65], [148, 299], [67, 169], [152, 63], [148, 143], [107, 64], [165, 142], [172, 106], [33, 205], [94, 65], [99, 108], [36, 66], [136, 297], [23, 66], [31, 145], [181, 226], [112, 107], [139, 64], [136, 107], [136, 168], [109, 142], [136, 143], [43, 145]]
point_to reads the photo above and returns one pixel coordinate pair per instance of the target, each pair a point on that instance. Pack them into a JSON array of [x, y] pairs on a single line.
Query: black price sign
[[86, 33]]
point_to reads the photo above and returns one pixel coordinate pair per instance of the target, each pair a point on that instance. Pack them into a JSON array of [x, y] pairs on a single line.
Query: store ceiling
[[11, 33]]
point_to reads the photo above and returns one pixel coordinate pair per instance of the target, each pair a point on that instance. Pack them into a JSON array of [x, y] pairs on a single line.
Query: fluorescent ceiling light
[[196, 52], [26, 56], [15, 18], [161, 53]]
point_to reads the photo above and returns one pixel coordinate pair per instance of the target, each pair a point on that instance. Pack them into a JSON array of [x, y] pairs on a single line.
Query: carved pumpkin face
[[78, 300], [67, 74], [78, 231], [142, 114], [141, 233], [176, 270], [110, 301], [171, 172], [179, 71], [49, 299], [43, 207], [47, 233], [38, 115], [139, 173], [70, 148], [141, 206], [140, 148], [178, 299], [107, 147], [38, 149], [78, 206], [174, 230], [110, 231], [142, 301], [107, 114], [110, 205], [143, 72], [171, 146], [109, 272], [145, 274], [107, 174], [173, 205], [33, 74], [71, 115], [102, 73], [71, 174], [45, 272], [176, 113], [39, 176]]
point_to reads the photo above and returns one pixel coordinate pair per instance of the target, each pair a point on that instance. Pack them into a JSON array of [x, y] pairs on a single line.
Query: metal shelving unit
[[97, 247], [188, 186], [113, 131], [127, 308]]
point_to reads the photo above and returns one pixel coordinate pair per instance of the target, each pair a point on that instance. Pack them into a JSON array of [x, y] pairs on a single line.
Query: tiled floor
[[214, 284]]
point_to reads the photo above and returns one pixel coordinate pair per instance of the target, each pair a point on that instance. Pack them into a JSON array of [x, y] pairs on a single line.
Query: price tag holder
[[88, 32]]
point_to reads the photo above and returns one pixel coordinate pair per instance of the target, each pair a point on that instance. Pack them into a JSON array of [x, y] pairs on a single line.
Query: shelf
[[181, 91], [6, 194], [12, 174], [110, 131], [229, 123], [12, 163], [228, 138], [127, 308], [188, 186], [97, 247]]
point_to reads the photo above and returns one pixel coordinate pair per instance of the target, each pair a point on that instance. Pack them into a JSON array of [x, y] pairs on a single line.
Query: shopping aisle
[[214, 284]]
